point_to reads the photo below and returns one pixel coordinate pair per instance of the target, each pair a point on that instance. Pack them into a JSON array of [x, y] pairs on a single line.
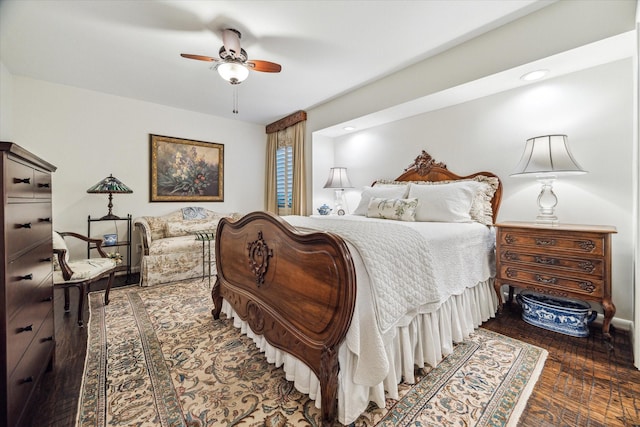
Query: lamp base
[[110, 216], [547, 219], [547, 202]]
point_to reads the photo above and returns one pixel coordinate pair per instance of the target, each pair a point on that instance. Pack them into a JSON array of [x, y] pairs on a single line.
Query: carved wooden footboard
[[297, 289]]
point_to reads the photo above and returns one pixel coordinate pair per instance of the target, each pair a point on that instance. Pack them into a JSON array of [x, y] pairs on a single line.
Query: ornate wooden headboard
[[425, 168]]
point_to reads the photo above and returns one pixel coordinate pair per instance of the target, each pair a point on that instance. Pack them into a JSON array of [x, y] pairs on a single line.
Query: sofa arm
[[144, 229]]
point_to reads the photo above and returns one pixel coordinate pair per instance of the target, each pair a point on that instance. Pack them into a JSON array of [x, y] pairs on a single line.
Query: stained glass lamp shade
[[110, 185]]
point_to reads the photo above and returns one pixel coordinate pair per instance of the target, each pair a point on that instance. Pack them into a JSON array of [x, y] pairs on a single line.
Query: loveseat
[[170, 251]]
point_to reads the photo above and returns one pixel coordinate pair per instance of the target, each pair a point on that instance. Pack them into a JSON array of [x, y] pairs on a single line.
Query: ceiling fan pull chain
[[235, 99]]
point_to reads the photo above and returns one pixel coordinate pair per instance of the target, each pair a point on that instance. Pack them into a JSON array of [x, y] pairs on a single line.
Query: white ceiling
[[326, 48]]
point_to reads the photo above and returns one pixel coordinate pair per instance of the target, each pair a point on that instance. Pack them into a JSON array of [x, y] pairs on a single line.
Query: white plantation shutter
[[284, 179]]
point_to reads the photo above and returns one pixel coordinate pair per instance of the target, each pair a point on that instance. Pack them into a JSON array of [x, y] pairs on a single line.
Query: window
[[284, 179]]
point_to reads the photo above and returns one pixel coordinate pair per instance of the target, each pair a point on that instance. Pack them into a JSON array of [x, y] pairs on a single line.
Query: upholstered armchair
[[80, 273]]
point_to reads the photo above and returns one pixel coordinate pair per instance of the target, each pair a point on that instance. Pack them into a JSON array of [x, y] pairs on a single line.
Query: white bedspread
[[394, 257], [462, 263]]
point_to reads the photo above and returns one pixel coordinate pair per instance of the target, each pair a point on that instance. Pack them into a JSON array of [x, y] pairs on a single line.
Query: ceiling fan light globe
[[233, 72]]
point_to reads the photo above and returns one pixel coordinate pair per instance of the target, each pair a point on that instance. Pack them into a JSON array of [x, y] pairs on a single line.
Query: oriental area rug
[[156, 357]]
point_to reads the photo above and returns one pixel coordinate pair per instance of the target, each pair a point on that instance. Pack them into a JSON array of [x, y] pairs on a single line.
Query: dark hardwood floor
[[585, 381]]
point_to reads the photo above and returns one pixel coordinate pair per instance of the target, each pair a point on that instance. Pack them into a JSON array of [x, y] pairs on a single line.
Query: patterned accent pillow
[[381, 191], [481, 210], [397, 209], [194, 213]]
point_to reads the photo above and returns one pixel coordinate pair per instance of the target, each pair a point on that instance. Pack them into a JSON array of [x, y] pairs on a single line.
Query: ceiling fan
[[233, 65]]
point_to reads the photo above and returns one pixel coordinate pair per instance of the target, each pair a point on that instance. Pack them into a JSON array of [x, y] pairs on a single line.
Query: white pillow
[[380, 191], [481, 209], [444, 203], [398, 209]]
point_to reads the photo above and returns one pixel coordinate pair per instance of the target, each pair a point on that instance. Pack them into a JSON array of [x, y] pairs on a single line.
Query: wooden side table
[[563, 260]]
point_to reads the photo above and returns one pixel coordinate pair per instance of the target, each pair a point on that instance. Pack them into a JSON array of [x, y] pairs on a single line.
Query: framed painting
[[183, 170]]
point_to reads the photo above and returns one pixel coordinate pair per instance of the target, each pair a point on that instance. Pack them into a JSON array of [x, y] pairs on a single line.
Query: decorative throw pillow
[[397, 209], [444, 203], [380, 191], [194, 213], [481, 209]]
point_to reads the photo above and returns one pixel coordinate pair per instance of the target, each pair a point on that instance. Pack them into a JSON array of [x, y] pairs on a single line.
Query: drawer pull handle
[[546, 261], [29, 379], [44, 219], [26, 225], [48, 259], [44, 185], [511, 256], [587, 245], [47, 339], [587, 286], [545, 242], [26, 277], [47, 299], [587, 266], [22, 180], [549, 281], [28, 328]]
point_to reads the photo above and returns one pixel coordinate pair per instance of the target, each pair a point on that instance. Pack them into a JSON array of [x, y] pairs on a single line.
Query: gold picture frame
[[185, 170]]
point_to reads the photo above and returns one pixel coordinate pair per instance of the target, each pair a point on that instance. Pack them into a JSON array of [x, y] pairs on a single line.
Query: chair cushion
[[173, 245], [84, 269]]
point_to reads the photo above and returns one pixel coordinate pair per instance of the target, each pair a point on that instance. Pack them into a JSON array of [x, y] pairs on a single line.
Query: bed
[[309, 295]]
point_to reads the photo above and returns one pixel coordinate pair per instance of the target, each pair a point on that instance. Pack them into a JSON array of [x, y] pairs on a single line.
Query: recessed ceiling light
[[534, 75], [348, 128]]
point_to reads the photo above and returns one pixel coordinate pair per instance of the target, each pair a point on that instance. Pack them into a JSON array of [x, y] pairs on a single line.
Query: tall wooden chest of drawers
[[27, 340], [563, 260]]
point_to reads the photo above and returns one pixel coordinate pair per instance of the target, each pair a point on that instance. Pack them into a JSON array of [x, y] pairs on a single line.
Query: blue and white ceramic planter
[[569, 317]]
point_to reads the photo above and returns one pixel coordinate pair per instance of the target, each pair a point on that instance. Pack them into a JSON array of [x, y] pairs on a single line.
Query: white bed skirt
[[424, 340]]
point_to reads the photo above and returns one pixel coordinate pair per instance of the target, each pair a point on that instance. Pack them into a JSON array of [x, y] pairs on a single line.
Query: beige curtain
[[292, 136], [270, 196], [299, 203]]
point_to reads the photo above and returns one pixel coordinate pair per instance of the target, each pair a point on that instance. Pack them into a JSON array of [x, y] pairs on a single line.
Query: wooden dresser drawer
[[547, 279], [26, 225], [32, 364], [553, 261], [25, 276], [42, 185], [19, 180], [586, 243], [23, 329]]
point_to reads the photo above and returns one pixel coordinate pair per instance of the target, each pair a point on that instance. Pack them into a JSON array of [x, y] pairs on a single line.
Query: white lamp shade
[[338, 179], [545, 156], [233, 72]]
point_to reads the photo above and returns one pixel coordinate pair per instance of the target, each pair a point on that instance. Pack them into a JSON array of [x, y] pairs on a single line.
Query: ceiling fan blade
[[198, 57], [264, 66], [231, 42]]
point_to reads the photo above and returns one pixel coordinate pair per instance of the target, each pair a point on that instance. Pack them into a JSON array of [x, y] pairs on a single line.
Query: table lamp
[[547, 157], [110, 185]]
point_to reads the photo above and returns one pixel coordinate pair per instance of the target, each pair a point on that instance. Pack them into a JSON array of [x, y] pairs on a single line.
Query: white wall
[[6, 98], [593, 107], [89, 135]]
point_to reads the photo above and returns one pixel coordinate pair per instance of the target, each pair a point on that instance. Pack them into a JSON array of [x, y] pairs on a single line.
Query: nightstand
[[563, 260]]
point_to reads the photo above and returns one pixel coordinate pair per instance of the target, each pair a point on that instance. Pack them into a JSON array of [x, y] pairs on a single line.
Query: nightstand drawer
[[547, 279], [586, 243], [553, 261]]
